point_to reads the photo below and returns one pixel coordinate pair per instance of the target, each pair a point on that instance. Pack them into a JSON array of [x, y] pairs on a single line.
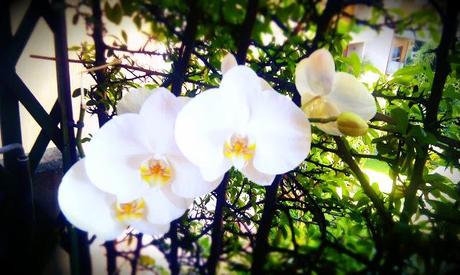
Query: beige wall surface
[[40, 75]]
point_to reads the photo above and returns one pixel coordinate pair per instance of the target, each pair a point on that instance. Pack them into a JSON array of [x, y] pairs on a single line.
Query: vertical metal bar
[[19, 210], [9, 106], [81, 263], [63, 83], [18, 186]]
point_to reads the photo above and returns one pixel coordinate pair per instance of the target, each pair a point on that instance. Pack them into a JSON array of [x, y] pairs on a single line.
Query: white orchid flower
[[98, 212], [259, 132], [136, 152], [327, 93]]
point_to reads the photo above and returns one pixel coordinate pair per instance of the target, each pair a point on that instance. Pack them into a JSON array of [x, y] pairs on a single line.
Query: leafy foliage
[[325, 218]]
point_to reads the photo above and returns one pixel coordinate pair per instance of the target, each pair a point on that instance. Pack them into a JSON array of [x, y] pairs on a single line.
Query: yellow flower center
[[134, 210], [239, 150], [156, 172]]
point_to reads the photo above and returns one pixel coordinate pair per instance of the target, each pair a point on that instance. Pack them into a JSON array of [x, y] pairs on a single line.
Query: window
[[357, 48], [396, 54]]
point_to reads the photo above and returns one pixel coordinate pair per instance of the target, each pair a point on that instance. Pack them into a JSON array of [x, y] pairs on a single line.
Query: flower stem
[[80, 124], [345, 155], [261, 244], [323, 120], [111, 257], [137, 254], [173, 260], [217, 233]]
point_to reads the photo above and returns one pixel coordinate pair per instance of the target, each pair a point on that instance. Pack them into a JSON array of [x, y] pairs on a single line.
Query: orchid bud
[[350, 124]]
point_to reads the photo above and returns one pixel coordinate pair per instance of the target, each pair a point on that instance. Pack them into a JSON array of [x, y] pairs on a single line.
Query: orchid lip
[[239, 150], [156, 171], [134, 210]]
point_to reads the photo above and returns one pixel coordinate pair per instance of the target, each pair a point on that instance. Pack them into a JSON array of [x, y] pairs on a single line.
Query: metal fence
[[20, 243]]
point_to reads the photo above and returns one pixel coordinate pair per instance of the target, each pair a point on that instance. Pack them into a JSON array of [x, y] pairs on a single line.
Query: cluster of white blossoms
[[326, 93], [144, 167], [133, 173]]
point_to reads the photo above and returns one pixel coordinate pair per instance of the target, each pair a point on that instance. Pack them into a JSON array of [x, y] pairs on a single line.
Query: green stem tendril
[[323, 120]]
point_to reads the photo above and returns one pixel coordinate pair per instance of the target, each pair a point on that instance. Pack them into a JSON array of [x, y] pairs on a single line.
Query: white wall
[[40, 75], [377, 46]]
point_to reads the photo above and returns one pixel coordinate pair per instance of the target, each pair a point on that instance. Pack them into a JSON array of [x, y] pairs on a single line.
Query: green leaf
[[416, 112], [128, 6], [446, 211], [443, 184], [75, 19], [404, 80], [451, 92], [74, 48], [147, 261], [114, 14], [91, 102], [137, 21], [76, 92], [408, 70], [377, 165], [125, 36], [405, 75], [402, 119], [422, 136], [355, 64]]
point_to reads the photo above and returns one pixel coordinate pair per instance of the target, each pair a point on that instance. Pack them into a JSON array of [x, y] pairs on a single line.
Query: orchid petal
[[214, 172], [150, 228], [114, 156], [163, 206], [202, 127], [228, 62], [350, 95], [188, 181], [240, 79], [132, 101], [265, 85], [180, 202], [240, 86], [301, 82], [314, 75], [258, 177], [280, 131], [158, 116], [323, 109], [329, 128], [87, 207]]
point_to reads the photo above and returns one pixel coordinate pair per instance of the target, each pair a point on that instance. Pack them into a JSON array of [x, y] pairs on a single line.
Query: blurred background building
[[387, 49]]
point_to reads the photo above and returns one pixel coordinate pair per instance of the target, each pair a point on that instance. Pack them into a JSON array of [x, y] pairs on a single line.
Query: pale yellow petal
[[321, 108], [350, 95], [314, 75]]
